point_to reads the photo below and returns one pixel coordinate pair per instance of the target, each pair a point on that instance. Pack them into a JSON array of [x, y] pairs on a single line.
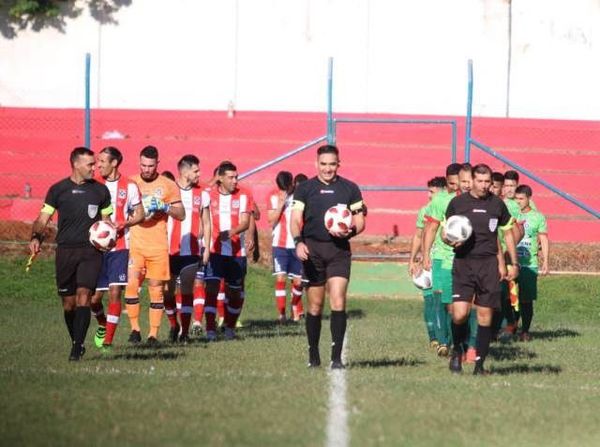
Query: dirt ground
[[14, 236]]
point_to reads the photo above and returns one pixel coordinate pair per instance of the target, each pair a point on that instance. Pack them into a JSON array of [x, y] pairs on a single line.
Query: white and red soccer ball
[[103, 235], [338, 219]]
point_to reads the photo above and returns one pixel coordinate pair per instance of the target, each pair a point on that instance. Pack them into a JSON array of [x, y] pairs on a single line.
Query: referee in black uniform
[[479, 265], [325, 255], [80, 201]]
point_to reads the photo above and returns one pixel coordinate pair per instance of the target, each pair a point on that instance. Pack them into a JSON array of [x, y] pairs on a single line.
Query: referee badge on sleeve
[[92, 211], [493, 224]]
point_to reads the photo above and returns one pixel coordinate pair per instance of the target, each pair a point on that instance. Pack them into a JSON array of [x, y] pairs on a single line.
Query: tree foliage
[[16, 15]]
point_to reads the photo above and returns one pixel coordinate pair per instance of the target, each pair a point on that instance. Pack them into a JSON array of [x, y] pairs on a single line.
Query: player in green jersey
[[535, 238], [434, 185], [438, 257]]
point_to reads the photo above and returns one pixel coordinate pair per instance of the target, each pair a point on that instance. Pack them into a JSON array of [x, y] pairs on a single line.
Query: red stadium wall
[[35, 143]]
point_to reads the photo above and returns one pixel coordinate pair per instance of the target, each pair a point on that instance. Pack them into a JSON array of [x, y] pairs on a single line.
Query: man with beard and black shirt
[[479, 265], [80, 202]]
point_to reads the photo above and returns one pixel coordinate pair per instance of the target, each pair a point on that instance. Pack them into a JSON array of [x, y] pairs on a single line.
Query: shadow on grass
[[385, 363], [511, 352], [147, 354], [522, 368], [554, 334], [270, 329]]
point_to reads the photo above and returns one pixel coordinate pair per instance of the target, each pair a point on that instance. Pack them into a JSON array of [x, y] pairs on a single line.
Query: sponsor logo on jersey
[[122, 193], [327, 191], [77, 191]]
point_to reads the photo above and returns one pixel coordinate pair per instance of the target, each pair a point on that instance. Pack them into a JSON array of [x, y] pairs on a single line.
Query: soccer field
[[258, 391]]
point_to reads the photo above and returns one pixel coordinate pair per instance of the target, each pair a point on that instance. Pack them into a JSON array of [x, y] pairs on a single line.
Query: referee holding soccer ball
[[80, 201], [326, 255], [479, 265]]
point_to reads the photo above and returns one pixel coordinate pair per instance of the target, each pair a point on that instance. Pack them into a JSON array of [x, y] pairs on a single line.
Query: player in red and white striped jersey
[[230, 215], [187, 239], [128, 211], [285, 261]]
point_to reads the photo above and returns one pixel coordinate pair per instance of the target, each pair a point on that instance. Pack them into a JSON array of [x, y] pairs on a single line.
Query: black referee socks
[[81, 324], [482, 345], [70, 321], [338, 330], [313, 330], [459, 334]]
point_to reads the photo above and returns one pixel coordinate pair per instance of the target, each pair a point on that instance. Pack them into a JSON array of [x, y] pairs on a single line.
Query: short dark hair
[[78, 152], [437, 182], [113, 153], [524, 189], [328, 149], [467, 167], [187, 161], [453, 169], [497, 177], [149, 152], [511, 175], [168, 174], [481, 168], [284, 180], [299, 178], [225, 166]]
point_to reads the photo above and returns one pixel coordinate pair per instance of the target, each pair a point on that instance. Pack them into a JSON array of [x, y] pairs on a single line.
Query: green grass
[[257, 390]]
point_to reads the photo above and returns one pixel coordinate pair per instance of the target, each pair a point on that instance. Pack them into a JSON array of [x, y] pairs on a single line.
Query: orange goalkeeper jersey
[[151, 235]]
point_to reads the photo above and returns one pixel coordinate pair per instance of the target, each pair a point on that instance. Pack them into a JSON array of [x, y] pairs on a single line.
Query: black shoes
[[77, 352], [135, 337], [479, 370], [174, 333], [456, 362], [337, 364], [314, 358]]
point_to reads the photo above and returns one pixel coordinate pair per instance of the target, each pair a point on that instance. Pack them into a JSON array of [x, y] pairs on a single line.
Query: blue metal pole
[[283, 157], [453, 142], [531, 175], [330, 129], [87, 101], [469, 113]]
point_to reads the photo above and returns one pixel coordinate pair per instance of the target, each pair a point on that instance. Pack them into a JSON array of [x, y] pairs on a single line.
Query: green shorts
[[527, 284], [442, 280]]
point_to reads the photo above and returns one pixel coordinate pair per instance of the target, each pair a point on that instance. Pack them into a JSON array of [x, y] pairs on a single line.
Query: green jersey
[[421, 218], [534, 223], [436, 211]]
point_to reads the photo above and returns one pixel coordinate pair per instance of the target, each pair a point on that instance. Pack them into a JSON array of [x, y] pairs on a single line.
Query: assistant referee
[[479, 265], [80, 201], [326, 255]]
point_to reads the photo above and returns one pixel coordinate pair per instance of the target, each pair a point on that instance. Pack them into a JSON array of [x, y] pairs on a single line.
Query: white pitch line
[[337, 417]]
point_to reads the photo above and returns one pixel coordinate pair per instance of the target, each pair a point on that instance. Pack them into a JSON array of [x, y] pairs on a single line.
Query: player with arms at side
[[326, 256], [285, 261], [478, 265], [127, 212], [434, 185], [149, 250], [187, 241], [230, 214], [80, 201], [536, 235]]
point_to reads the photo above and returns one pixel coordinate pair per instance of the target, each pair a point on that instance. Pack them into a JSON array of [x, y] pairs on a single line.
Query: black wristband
[[37, 236], [298, 239]]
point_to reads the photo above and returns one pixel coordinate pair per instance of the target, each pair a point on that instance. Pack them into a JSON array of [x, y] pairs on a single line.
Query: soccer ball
[[338, 218], [458, 228], [423, 280], [103, 235]]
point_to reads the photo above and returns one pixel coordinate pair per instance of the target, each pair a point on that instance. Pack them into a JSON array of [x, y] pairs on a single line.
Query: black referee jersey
[[78, 206], [314, 198]]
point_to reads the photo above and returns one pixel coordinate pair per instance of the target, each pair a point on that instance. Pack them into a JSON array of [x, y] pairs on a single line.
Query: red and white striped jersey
[[226, 210], [282, 234], [124, 195], [185, 237]]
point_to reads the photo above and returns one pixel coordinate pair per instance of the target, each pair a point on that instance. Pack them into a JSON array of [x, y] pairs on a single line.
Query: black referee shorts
[[326, 260], [77, 267], [477, 277]]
